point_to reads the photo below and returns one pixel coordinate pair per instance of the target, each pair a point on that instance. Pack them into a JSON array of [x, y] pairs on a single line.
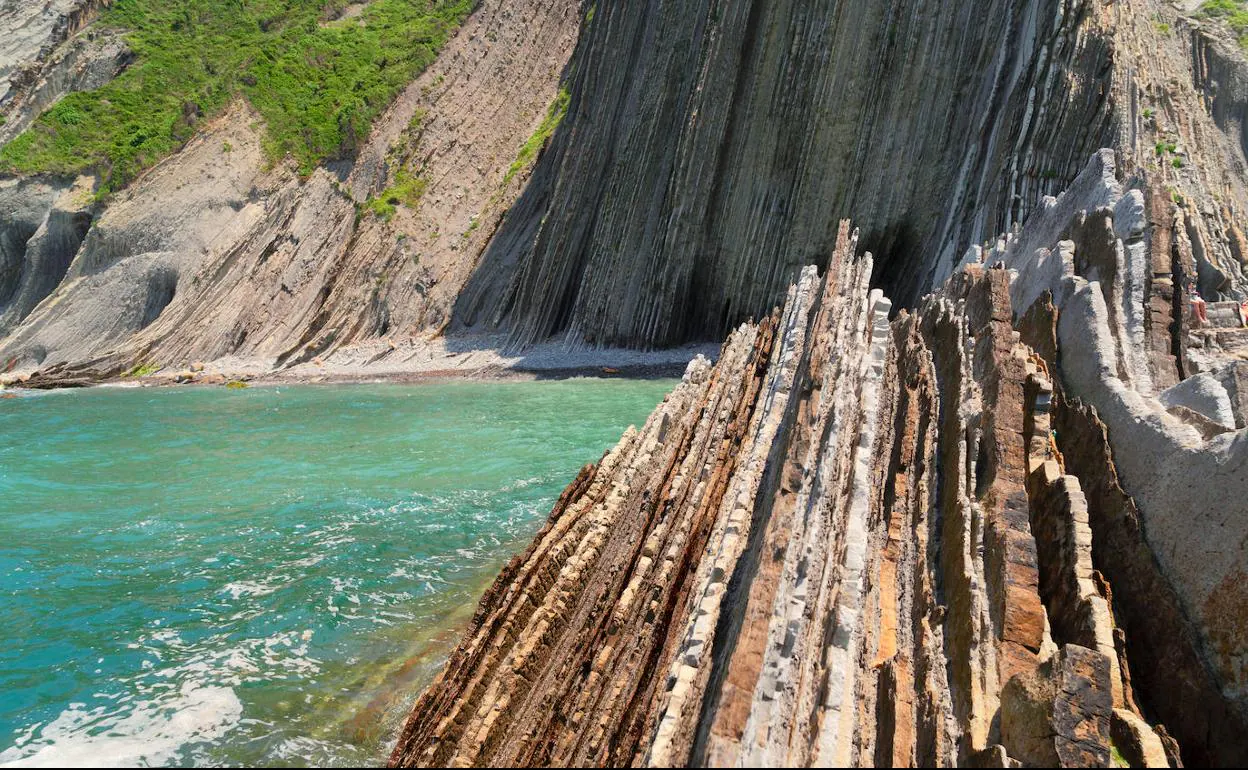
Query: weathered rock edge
[[955, 538]]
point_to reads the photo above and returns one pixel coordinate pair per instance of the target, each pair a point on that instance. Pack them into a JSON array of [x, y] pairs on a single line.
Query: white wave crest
[[153, 733]]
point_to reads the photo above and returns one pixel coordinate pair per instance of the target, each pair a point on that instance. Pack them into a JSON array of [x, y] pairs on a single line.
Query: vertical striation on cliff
[[706, 153], [710, 148], [953, 538]]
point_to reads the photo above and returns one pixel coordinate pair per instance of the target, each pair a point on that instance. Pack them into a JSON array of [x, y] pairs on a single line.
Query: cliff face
[[1004, 526], [706, 149], [711, 148], [856, 542], [214, 254], [43, 57], [30, 32]]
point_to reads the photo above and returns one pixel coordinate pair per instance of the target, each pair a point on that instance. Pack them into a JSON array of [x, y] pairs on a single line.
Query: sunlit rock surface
[[972, 535]]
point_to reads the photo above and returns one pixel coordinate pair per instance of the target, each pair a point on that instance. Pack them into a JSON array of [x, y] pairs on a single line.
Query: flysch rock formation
[[706, 151], [43, 56], [932, 125], [995, 530], [1001, 521], [30, 32], [217, 255]]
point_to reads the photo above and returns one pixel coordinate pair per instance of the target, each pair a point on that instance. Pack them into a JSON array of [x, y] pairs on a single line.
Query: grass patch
[[318, 86], [530, 149], [142, 370], [408, 187], [1233, 13], [407, 190], [235, 385]]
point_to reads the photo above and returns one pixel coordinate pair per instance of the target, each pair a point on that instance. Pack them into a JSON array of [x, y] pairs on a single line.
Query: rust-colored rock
[[856, 542]]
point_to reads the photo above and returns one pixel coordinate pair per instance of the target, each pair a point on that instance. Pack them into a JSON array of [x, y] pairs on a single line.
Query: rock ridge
[[953, 538]]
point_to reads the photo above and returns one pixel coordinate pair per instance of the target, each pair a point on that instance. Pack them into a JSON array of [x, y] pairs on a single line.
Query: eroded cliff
[[704, 152], [215, 254], [1000, 521], [912, 543], [933, 125]]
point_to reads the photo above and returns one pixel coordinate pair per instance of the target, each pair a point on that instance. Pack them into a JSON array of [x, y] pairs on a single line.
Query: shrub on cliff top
[[1233, 12], [318, 82]]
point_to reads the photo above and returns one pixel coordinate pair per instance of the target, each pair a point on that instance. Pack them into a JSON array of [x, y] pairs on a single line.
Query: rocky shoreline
[[999, 523], [935, 541], [441, 358]]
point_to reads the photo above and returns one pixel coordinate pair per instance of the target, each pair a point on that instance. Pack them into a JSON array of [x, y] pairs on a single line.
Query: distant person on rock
[[1199, 308], [1243, 313]]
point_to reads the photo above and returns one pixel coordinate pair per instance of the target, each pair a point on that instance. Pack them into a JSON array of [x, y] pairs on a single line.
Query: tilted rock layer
[[710, 148], [932, 124], [216, 253], [994, 530], [707, 151], [1005, 524]]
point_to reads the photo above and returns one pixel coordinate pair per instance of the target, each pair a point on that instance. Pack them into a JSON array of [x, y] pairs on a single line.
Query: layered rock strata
[[995, 530], [706, 151], [30, 33], [217, 253], [932, 125]]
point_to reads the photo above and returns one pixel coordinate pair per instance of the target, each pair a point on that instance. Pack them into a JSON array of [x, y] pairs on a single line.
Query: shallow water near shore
[[264, 576]]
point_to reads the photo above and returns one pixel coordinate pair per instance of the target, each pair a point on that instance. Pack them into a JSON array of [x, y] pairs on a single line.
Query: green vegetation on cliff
[[407, 190], [1233, 12], [535, 143], [317, 75]]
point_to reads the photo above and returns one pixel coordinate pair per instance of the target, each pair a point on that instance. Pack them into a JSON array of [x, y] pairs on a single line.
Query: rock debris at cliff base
[[995, 530]]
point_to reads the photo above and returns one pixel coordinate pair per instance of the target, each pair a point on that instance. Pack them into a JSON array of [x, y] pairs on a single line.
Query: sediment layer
[[710, 149], [707, 151], [959, 537], [218, 253], [760, 124]]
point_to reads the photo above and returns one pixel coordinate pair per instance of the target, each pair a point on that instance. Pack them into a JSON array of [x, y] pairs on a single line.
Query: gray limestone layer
[[25, 28], [1053, 417], [707, 151], [711, 147], [31, 33], [973, 536], [217, 253]]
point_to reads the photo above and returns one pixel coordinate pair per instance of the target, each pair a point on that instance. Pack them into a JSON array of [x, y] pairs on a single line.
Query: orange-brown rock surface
[[857, 541]]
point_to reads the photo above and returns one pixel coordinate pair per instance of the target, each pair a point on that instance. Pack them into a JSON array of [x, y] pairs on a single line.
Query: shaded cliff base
[[1000, 529]]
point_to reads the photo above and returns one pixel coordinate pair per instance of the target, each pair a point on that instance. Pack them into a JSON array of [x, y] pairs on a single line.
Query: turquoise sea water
[[264, 576]]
